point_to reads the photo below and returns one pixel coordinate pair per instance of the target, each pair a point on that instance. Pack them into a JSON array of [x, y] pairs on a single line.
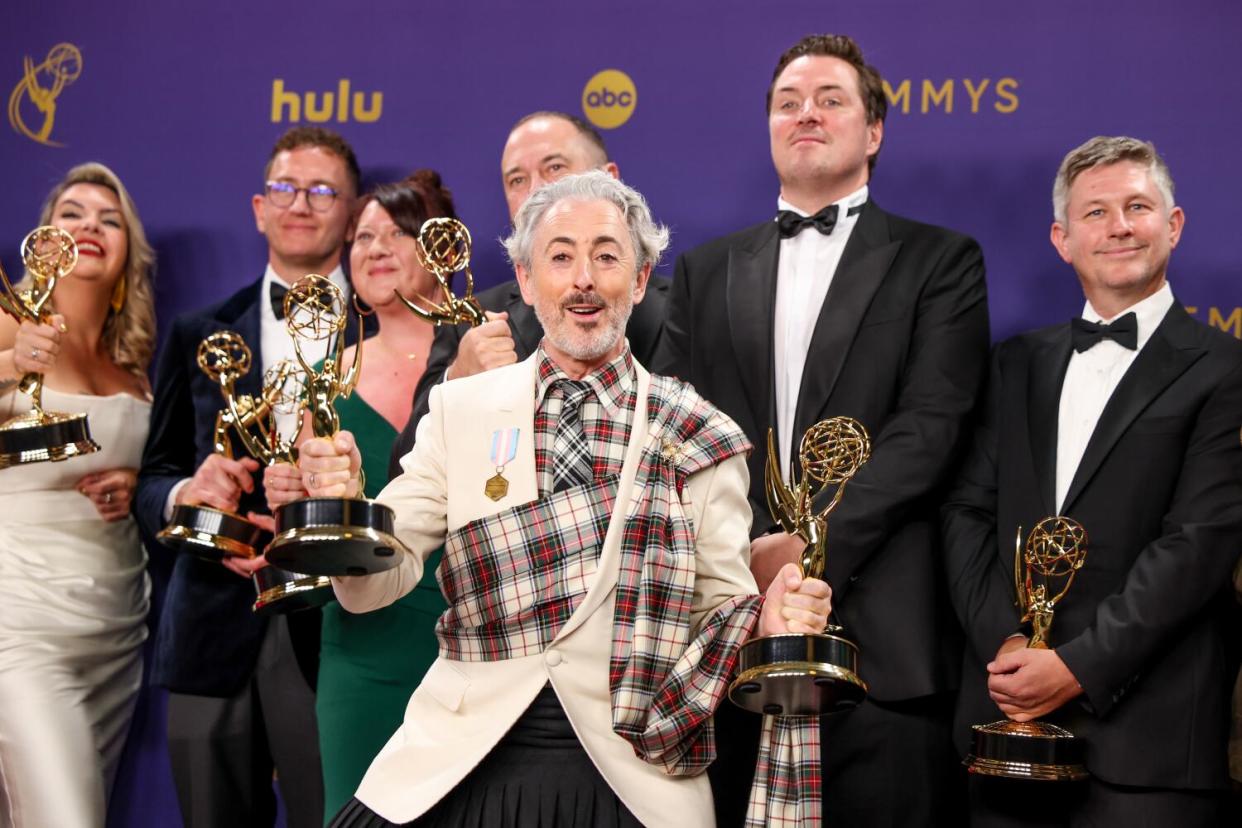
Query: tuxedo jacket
[[462, 708], [208, 638], [1143, 627], [643, 332], [901, 345]]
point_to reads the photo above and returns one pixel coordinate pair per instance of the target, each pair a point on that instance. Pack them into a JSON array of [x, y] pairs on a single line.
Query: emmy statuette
[[329, 535], [49, 254], [794, 674], [204, 530], [1055, 551]]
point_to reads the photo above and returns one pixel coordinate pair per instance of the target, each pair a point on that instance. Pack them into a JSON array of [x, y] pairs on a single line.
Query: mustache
[[591, 299]]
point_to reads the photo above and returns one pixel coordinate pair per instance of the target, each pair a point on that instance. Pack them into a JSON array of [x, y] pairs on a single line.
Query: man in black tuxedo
[[542, 147], [239, 703], [840, 308], [1125, 420]]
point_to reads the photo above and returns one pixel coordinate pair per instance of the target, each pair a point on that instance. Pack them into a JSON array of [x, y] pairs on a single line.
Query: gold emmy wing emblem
[[444, 249], [49, 254], [329, 535], [39, 88], [1055, 550], [794, 674]]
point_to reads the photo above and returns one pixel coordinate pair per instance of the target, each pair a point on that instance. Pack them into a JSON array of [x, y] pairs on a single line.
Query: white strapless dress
[[73, 605]]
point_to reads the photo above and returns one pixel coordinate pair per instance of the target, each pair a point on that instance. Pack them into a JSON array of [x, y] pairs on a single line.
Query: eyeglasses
[[320, 197]]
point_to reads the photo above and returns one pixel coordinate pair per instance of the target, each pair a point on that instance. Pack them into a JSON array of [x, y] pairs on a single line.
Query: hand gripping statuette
[[204, 530], [795, 674], [1055, 551], [329, 535], [49, 254], [444, 249]]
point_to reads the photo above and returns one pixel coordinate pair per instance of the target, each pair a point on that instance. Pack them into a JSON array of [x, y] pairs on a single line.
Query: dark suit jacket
[[1159, 491], [901, 345], [643, 332], [208, 638]]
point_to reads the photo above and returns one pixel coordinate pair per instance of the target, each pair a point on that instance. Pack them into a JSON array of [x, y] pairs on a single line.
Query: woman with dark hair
[[73, 584], [370, 664]]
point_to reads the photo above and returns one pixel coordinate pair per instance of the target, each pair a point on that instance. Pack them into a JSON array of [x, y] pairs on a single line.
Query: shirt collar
[[854, 199], [1149, 313], [610, 383]]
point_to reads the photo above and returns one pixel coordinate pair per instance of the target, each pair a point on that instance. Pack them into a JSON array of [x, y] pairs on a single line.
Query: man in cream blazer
[[583, 250]]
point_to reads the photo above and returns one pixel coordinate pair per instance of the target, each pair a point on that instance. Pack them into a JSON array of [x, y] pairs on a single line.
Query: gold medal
[[497, 487]]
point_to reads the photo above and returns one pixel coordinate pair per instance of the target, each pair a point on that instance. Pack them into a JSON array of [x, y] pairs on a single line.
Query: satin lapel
[[610, 554], [1160, 362], [249, 324], [527, 332], [1046, 373], [867, 257], [751, 299]]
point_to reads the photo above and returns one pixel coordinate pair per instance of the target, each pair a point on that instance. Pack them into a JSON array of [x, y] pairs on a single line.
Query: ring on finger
[[107, 497], [34, 353], [312, 480]]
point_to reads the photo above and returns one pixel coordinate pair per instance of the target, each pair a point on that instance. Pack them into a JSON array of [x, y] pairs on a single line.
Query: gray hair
[[1102, 151], [649, 238]]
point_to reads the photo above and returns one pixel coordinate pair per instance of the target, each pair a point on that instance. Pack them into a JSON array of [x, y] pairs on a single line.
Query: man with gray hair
[[595, 533], [1125, 420]]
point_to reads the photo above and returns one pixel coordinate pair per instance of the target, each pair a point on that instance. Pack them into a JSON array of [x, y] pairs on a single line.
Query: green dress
[[369, 664]]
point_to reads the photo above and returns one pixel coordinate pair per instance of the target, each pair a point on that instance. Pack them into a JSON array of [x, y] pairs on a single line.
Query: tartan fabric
[[571, 455], [606, 415], [520, 574], [789, 767], [513, 579]]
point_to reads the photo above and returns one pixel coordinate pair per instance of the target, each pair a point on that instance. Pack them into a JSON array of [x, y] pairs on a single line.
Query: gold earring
[[118, 294]]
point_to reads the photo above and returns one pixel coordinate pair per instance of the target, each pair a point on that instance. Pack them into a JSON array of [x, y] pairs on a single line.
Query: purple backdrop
[[987, 97]]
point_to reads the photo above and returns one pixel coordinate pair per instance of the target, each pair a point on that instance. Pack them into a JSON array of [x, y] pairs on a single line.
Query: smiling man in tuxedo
[[1125, 420], [836, 307], [239, 703]]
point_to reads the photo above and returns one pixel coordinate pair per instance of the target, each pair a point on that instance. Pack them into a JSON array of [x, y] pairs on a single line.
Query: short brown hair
[[1103, 151], [843, 47], [325, 139]]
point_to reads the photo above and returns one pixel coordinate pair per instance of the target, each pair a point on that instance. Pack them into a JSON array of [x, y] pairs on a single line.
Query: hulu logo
[[321, 107]]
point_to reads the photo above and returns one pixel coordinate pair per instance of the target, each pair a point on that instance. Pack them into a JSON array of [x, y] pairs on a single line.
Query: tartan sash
[[513, 579]]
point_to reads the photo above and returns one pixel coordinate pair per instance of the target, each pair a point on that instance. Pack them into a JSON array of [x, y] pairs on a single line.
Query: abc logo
[[609, 99]]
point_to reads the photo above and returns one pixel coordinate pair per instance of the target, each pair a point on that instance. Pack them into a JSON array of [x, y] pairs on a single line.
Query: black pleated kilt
[[538, 776]]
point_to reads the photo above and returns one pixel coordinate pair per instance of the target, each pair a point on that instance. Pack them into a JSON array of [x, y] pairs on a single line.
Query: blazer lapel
[[1160, 362], [248, 323], [867, 257], [1046, 374], [751, 299]]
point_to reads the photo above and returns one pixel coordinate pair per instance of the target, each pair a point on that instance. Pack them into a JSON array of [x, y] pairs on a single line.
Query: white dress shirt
[[274, 344], [1091, 378], [804, 272]]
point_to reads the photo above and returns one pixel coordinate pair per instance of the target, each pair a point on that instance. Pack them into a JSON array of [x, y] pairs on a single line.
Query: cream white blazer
[[462, 709]]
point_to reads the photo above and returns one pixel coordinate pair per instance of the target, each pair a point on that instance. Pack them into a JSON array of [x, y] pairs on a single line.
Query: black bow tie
[[1123, 330], [791, 224], [278, 299]]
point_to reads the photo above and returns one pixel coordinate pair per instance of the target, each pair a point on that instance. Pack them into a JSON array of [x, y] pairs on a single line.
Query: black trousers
[[223, 750], [1002, 803], [886, 765]]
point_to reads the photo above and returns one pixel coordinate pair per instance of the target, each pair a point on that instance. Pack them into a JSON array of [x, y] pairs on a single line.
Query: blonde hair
[[128, 335], [1102, 151]]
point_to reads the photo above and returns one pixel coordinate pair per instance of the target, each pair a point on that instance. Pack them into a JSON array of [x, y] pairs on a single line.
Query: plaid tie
[[571, 455]]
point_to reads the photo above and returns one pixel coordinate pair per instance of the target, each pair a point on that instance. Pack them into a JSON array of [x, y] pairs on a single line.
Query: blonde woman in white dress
[[73, 584]]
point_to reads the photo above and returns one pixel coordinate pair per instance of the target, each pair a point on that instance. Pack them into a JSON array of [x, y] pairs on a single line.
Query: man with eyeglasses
[[242, 688]]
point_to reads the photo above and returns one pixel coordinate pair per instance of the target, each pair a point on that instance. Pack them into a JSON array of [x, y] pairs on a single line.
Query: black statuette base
[[53, 437], [212, 534], [280, 591], [335, 536], [798, 675], [1027, 750]]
